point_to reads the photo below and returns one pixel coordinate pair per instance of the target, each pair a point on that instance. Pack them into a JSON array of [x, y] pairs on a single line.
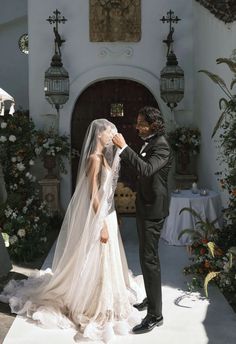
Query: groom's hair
[[154, 117]]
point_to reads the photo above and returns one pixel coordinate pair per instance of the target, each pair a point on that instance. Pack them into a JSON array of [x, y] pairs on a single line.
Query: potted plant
[[209, 260], [52, 148]]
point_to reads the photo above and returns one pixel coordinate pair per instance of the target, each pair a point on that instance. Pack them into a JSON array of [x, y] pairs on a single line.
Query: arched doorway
[[96, 102]]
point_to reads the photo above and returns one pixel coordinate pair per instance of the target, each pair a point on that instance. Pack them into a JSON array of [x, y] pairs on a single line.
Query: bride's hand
[[104, 234]]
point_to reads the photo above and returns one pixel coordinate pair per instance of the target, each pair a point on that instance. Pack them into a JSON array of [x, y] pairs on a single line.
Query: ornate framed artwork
[[115, 20]]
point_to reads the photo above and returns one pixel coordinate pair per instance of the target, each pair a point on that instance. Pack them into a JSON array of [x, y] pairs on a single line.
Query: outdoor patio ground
[[188, 318]]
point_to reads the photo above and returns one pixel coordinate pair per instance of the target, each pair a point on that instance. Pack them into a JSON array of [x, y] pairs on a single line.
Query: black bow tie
[[148, 139]]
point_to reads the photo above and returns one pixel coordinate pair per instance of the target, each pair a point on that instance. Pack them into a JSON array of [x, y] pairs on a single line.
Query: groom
[[152, 165]]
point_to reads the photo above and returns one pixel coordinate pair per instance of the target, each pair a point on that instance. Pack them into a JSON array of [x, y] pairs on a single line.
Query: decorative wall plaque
[[115, 20]]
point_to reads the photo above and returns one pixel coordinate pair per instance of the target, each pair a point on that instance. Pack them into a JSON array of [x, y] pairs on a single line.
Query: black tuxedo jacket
[[152, 167]]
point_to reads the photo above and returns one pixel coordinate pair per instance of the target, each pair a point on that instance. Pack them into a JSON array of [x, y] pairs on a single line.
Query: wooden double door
[[96, 102]]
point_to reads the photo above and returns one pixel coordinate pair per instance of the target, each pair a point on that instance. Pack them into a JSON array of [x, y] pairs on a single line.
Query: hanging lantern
[[172, 82], [172, 76], [56, 83]]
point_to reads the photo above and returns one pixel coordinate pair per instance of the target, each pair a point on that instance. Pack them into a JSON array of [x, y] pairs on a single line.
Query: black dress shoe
[[141, 306], [147, 324]]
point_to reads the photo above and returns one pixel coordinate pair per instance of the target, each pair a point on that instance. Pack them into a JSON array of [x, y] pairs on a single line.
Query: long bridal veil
[[89, 286], [78, 245]]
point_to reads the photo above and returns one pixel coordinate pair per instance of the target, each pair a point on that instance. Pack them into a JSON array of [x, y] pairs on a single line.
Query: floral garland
[[24, 218]]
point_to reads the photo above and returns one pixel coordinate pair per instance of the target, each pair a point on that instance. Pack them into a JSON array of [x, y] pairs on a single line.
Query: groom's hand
[[119, 140]]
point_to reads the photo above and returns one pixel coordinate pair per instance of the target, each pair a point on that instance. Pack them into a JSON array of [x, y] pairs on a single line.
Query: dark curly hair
[[153, 116]]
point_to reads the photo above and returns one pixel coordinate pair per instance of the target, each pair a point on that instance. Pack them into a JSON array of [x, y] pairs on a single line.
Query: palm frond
[[232, 250], [230, 260], [229, 62], [216, 220], [208, 278], [232, 83], [192, 211], [214, 77], [217, 80], [225, 101], [220, 120], [211, 246], [194, 234]]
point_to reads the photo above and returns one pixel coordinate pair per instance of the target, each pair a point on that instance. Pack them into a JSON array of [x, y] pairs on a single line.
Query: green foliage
[[24, 218], [214, 251]]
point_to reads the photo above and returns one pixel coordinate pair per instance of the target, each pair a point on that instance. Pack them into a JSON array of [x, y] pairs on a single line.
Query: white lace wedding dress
[[96, 301]]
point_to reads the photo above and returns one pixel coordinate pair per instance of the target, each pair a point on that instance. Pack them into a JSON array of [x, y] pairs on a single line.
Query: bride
[[89, 287]]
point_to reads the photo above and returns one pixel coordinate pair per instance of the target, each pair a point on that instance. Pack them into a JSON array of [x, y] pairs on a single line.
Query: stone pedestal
[[50, 193], [184, 181]]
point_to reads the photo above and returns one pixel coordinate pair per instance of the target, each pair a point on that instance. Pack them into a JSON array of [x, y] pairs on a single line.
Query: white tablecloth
[[208, 206]]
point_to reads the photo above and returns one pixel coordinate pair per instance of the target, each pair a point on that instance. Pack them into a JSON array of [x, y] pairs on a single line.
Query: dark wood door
[[95, 102]]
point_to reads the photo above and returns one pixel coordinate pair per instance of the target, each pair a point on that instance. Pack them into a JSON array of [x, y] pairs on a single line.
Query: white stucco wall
[[88, 62], [212, 39], [13, 63]]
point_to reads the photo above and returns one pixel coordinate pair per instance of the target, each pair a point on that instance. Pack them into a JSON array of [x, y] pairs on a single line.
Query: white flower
[[31, 162], [143, 154], [13, 239], [21, 232], [12, 138], [14, 215], [28, 175], [29, 201], [3, 138], [13, 159], [24, 210], [8, 212], [38, 150], [3, 125], [20, 166]]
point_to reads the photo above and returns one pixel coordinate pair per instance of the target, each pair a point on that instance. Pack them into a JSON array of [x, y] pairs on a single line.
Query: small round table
[[208, 206]]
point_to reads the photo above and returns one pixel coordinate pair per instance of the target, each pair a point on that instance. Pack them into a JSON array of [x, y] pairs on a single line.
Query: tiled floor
[[189, 319]]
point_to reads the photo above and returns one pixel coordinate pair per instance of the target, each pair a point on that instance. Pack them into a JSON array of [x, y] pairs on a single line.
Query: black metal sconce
[[172, 75], [56, 82]]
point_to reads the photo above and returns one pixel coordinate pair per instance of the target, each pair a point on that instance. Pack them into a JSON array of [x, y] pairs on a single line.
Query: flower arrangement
[[208, 259], [184, 138], [24, 218], [51, 144]]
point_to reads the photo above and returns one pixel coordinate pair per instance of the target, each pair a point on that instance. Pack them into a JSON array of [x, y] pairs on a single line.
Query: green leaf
[[214, 77], [225, 101], [232, 83], [230, 260], [211, 246], [220, 120], [192, 232], [229, 62], [210, 276], [192, 211], [232, 250]]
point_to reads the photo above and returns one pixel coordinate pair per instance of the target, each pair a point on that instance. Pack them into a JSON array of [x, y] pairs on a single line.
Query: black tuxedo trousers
[[152, 205], [149, 235]]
